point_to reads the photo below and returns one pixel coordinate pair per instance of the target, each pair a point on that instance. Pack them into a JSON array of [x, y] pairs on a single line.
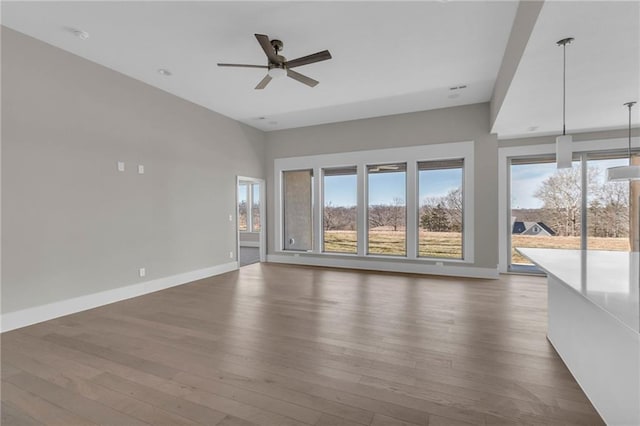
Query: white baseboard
[[36, 314], [387, 266]]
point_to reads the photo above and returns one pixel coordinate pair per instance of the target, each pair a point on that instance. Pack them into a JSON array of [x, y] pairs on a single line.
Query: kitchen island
[[594, 324]]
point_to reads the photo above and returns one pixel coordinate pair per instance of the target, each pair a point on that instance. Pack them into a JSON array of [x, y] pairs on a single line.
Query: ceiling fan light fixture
[[277, 72]]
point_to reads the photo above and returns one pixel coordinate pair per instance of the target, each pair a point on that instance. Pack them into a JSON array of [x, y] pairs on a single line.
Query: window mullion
[[412, 228], [362, 225], [583, 202], [249, 197], [318, 204]]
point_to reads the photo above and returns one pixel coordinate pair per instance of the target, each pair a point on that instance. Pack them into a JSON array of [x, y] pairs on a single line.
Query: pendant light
[[564, 153], [630, 172]]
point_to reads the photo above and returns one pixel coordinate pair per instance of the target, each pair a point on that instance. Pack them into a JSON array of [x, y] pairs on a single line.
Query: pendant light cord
[[564, 87], [629, 105], [564, 43]]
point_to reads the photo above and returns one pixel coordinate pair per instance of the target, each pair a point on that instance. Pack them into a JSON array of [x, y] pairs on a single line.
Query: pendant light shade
[[622, 173], [630, 172], [564, 153], [564, 148]]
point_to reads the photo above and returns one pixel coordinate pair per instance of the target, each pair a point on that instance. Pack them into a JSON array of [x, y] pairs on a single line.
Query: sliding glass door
[[546, 207], [573, 208]]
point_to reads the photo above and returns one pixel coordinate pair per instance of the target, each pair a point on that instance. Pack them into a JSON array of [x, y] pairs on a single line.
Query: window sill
[[391, 258]]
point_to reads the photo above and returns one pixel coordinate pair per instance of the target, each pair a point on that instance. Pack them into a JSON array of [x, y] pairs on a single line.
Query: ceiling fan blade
[[302, 78], [268, 48], [243, 65], [309, 59], [263, 83]]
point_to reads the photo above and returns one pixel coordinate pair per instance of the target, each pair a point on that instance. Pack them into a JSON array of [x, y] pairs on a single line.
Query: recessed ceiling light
[[82, 35], [164, 72]]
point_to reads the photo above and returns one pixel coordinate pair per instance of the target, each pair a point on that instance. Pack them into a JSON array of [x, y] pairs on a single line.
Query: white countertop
[[609, 279]]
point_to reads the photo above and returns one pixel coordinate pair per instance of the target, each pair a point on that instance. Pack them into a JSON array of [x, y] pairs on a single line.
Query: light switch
[[142, 272], [140, 169], [121, 166]]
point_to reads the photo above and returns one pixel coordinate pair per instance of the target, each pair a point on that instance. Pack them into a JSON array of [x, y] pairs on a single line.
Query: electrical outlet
[[140, 169], [121, 166], [230, 255], [230, 218], [142, 272]]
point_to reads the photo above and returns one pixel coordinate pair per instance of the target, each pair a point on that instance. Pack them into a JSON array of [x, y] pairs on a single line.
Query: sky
[[384, 187], [526, 178]]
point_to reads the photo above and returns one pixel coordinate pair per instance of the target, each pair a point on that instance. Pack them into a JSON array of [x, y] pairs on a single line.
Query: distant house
[[532, 228]]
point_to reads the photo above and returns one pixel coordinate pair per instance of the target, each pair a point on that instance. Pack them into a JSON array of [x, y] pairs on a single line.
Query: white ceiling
[[388, 57], [603, 70]]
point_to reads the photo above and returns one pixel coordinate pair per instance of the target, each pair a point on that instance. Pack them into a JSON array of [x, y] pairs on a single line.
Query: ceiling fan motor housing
[[279, 64]]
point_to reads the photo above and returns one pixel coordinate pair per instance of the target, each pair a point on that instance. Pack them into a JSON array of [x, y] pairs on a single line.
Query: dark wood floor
[[284, 345]]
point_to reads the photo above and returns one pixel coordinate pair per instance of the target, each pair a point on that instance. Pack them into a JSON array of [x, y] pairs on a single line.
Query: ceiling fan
[[278, 66]]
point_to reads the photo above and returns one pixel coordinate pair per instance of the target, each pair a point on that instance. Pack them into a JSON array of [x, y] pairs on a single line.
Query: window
[[386, 211], [297, 188], [248, 206], [255, 207], [340, 215], [243, 189], [546, 206], [440, 208], [368, 204], [607, 206]]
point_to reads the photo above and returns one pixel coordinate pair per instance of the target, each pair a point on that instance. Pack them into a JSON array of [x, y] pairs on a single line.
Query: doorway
[[250, 221]]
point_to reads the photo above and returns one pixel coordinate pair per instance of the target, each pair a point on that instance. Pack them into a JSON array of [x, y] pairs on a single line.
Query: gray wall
[[470, 122], [71, 224]]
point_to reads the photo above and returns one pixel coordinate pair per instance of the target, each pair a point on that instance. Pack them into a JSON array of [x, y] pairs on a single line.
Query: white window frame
[[360, 159], [263, 215], [504, 181]]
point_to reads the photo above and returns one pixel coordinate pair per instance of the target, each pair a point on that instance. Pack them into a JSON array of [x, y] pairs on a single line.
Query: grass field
[[594, 243], [432, 244], [448, 245]]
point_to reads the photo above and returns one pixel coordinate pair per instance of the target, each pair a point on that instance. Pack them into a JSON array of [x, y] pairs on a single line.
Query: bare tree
[[391, 215], [608, 204], [397, 214], [609, 210], [561, 195], [242, 215], [453, 203], [443, 214], [339, 217]]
